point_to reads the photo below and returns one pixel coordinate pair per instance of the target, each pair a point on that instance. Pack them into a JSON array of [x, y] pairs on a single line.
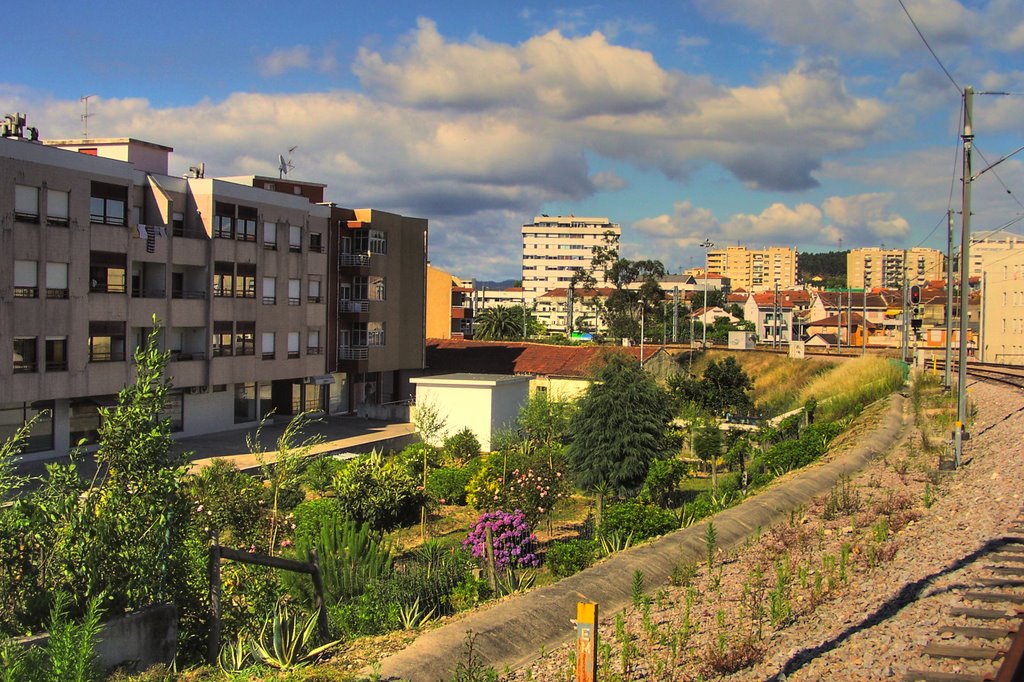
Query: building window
[[313, 294], [268, 345], [360, 288], [56, 280], [316, 243], [174, 411], [245, 280], [56, 353], [377, 290], [245, 403], [293, 345], [223, 280], [84, 419], [26, 282], [270, 236], [295, 238], [378, 241], [178, 224], [106, 341], [294, 292], [57, 208], [108, 204], [107, 272], [221, 344], [269, 290], [15, 415], [224, 220], [313, 342], [245, 338], [26, 203], [246, 223], [24, 354]]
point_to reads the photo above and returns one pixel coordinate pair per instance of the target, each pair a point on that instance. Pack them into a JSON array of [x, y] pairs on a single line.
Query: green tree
[[716, 299], [621, 424], [504, 323], [723, 388], [625, 306]]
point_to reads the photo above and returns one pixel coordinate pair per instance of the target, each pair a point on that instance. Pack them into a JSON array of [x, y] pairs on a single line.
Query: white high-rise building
[[555, 246]]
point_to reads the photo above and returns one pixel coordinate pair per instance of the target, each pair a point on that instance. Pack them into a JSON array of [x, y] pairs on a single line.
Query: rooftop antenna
[[283, 166], [85, 116]]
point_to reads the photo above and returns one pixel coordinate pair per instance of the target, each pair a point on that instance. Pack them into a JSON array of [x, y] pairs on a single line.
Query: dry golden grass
[[778, 380]]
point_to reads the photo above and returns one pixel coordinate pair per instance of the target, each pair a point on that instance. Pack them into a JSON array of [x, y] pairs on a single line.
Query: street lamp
[[707, 245]]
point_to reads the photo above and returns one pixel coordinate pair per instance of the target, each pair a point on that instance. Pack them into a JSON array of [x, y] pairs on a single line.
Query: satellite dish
[[283, 166]]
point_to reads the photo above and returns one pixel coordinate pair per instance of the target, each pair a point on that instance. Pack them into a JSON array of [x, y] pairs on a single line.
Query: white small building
[[485, 403]]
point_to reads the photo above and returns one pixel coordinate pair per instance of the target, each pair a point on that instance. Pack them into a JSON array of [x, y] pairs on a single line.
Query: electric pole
[[949, 301], [675, 314], [965, 267]]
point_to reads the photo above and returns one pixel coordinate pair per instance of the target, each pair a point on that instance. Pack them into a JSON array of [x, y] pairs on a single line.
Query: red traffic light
[[915, 294]]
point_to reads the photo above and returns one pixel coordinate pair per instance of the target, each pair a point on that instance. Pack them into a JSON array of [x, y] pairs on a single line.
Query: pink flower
[[286, 543], [442, 500]]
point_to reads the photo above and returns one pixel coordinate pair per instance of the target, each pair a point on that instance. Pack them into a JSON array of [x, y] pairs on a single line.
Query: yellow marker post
[[586, 642]]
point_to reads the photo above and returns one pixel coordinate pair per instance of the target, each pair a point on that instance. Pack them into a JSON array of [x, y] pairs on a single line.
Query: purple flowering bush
[[513, 541]]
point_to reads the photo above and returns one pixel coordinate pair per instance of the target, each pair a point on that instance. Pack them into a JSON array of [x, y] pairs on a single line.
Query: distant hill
[[825, 265], [488, 284]]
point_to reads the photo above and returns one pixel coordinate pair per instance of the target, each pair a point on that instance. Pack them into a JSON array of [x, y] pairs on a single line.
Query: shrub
[[663, 479], [230, 501], [448, 485], [311, 515], [461, 447], [638, 519], [533, 483], [382, 494], [569, 557], [510, 533], [320, 473]]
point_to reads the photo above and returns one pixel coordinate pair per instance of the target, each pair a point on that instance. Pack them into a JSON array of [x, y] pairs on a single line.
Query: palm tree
[[500, 323]]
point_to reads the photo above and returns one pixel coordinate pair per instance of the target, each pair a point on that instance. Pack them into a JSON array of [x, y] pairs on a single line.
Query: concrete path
[[512, 632]]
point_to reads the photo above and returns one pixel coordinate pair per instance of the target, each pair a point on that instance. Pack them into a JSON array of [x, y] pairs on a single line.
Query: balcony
[[349, 306], [354, 260], [353, 353], [184, 356], [26, 292]]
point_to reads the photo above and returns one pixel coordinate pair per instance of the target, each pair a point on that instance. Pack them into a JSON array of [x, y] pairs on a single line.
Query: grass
[[777, 378], [853, 384]]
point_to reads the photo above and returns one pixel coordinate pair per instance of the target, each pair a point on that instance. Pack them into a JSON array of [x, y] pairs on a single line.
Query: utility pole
[[839, 324], [904, 332], [704, 322], [965, 267], [775, 318], [946, 381], [675, 314], [864, 317]]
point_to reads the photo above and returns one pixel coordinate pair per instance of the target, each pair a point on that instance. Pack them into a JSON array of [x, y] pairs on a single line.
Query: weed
[[752, 599], [880, 530], [779, 608], [828, 567], [843, 499], [472, 668], [803, 573], [710, 542], [637, 589], [901, 467], [683, 574], [844, 561], [929, 496]]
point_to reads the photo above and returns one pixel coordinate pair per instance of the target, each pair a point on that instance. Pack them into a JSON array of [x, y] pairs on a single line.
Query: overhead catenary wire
[[925, 41]]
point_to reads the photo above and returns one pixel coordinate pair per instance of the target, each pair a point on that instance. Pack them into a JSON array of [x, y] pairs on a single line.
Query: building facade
[[554, 247], [1002, 314], [97, 239], [450, 306], [755, 269], [984, 244], [884, 268]]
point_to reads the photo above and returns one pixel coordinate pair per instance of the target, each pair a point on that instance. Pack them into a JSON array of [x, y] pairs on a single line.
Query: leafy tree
[[544, 421], [461, 447], [621, 425], [625, 305], [716, 299], [723, 388]]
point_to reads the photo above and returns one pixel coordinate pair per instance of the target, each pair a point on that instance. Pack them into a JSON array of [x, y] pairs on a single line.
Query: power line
[[942, 220], [925, 41], [991, 168], [956, 157]]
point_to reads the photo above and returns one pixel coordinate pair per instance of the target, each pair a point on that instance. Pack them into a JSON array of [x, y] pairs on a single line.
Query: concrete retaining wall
[[136, 641], [513, 631]]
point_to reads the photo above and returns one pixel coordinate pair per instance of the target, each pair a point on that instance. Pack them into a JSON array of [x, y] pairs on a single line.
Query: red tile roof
[[787, 299], [516, 357]]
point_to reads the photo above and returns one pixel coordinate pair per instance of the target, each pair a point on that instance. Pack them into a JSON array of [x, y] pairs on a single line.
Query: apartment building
[[755, 269], [884, 268], [450, 305], [96, 238], [985, 244], [554, 247], [1002, 314], [375, 294]]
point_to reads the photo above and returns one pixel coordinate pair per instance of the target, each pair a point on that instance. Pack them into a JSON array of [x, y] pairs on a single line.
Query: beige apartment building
[[449, 305], [96, 238], [884, 268], [554, 247], [755, 269], [1002, 314], [985, 244]]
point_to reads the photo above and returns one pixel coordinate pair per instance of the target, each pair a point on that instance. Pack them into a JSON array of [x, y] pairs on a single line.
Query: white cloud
[[609, 181], [286, 59], [686, 42]]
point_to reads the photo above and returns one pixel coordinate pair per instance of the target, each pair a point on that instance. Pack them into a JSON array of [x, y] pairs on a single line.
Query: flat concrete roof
[[471, 379]]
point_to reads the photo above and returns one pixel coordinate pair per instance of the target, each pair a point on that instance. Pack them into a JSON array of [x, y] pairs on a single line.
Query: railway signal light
[[915, 294]]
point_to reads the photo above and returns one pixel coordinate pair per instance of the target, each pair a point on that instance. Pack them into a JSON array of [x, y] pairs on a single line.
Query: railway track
[[983, 637], [1009, 375]]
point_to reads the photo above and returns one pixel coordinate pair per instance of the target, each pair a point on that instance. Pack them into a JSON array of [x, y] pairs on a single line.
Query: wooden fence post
[[213, 642], [318, 589], [492, 578]]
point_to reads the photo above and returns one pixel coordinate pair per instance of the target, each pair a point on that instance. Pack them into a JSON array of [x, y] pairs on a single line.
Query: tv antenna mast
[[284, 166], [85, 116]]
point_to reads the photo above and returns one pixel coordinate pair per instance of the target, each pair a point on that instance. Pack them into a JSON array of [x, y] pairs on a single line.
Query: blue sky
[[801, 122]]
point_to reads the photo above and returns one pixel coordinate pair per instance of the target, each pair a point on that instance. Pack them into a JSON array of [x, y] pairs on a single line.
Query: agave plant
[[412, 616], [516, 582], [615, 542], [234, 656], [290, 637]]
